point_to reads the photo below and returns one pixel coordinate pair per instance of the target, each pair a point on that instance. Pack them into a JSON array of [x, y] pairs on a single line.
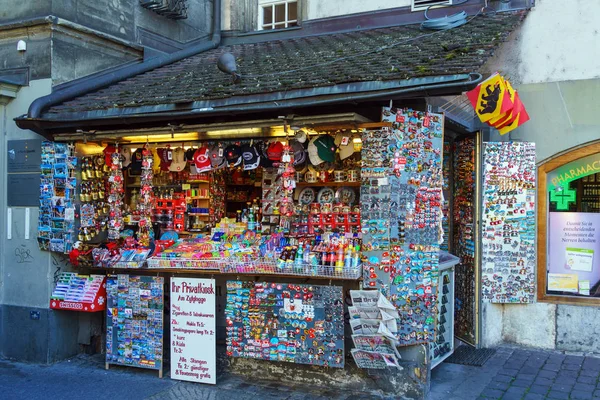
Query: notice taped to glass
[[193, 336]]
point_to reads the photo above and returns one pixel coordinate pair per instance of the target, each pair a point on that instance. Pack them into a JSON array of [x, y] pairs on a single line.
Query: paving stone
[[521, 383], [508, 372], [567, 375], [590, 372], [551, 367], [514, 393], [572, 367], [573, 360], [499, 385], [507, 378], [578, 394], [527, 377], [562, 387], [513, 365], [591, 362], [590, 380], [539, 389], [534, 396], [558, 395], [543, 381], [529, 370], [584, 387], [556, 358], [492, 393], [547, 374], [596, 393]]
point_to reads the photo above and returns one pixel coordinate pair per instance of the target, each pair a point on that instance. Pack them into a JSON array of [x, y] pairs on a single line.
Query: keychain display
[[115, 197], [446, 165], [464, 236], [508, 225], [94, 208], [302, 324], [145, 231], [56, 223]]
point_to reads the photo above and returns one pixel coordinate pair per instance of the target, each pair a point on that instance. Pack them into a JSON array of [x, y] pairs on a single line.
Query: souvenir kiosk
[[323, 244]]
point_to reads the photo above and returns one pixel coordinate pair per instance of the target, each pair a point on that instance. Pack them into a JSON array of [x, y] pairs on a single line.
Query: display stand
[[443, 345], [84, 293], [134, 322]]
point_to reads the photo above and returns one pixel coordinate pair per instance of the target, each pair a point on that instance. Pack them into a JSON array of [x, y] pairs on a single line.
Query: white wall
[[331, 8], [558, 41]]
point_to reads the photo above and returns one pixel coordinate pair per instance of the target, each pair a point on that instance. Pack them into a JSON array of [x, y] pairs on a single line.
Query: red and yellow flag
[[490, 98], [498, 104]]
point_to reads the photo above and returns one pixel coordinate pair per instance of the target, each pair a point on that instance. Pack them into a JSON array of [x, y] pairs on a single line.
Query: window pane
[[267, 15], [292, 12], [292, 24], [279, 26], [280, 13], [267, 27]]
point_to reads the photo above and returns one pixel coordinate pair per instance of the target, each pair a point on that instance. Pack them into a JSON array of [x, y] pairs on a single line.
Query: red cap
[[108, 152], [275, 151], [201, 159]]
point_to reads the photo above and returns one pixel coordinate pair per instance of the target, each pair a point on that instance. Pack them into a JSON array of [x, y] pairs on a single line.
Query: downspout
[[99, 82]]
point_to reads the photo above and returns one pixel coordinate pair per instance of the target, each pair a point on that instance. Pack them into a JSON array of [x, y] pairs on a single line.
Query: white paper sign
[[193, 330]]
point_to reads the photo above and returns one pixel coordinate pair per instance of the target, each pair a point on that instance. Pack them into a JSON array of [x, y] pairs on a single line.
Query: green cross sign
[[563, 198]]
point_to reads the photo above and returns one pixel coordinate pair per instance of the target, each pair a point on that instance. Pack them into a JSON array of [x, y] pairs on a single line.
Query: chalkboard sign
[[134, 321], [24, 155]]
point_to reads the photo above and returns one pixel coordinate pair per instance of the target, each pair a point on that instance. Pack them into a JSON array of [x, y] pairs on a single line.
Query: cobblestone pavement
[[511, 374], [515, 374]]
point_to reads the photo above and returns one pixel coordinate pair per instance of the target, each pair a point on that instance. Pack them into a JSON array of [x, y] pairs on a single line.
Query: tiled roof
[[383, 54]]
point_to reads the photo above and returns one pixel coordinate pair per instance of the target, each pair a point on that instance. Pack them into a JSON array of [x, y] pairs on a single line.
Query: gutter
[[104, 80], [311, 98]]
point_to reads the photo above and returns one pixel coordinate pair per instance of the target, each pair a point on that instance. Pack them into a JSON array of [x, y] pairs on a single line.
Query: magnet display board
[[302, 324], [508, 223], [193, 330], [134, 321]]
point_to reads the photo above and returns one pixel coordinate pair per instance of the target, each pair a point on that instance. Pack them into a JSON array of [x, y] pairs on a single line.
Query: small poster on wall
[[193, 330]]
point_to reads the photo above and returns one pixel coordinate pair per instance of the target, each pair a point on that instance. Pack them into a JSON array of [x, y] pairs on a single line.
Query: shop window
[[278, 14], [569, 227]]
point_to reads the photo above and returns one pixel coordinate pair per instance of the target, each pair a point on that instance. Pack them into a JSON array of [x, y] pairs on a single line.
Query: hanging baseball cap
[[326, 147], [345, 150], [189, 155], [125, 156], [265, 162], [233, 155], [217, 156], [313, 153], [136, 161], [251, 157], [178, 162], [166, 157], [275, 151], [108, 152], [301, 136], [298, 151], [202, 160]]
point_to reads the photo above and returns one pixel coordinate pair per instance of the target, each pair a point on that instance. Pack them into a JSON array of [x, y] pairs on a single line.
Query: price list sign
[[193, 330]]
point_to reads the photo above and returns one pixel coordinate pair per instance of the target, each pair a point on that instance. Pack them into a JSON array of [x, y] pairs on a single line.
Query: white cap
[[313, 153], [179, 163], [345, 150]]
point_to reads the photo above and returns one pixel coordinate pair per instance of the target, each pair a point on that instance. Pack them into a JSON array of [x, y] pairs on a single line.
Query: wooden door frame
[[542, 225]]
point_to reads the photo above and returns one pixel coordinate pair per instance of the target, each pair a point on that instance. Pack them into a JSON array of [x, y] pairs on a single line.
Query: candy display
[[508, 228], [134, 319], [56, 223], [464, 236], [302, 324]]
